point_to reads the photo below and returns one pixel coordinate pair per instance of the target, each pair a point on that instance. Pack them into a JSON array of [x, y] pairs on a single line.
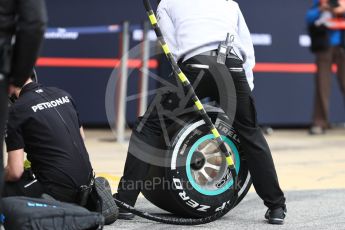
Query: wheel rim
[[205, 170]]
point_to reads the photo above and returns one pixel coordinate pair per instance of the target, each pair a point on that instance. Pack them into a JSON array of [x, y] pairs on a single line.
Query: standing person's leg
[[340, 61], [3, 115], [146, 144], [253, 143], [255, 147], [135, 172], [322, 90]]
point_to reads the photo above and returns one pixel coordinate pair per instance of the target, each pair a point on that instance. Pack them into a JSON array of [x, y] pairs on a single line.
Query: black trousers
[[29, 186], [3, 116], [26, 186], [253, 143]]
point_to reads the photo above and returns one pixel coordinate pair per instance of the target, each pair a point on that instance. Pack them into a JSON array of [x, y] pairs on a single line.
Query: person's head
[[14, 91], [331, 2]]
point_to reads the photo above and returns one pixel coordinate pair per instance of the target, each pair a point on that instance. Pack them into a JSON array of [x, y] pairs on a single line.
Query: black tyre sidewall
[[189, 201]]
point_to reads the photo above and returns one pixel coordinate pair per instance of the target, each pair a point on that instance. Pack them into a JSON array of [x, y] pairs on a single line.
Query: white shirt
[[192, 27]]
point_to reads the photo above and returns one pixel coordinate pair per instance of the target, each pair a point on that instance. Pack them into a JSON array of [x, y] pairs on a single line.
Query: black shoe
[[107, 206], [276, 216], [125, 215]]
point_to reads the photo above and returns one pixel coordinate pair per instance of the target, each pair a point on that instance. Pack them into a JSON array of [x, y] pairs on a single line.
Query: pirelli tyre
[[197, 182]]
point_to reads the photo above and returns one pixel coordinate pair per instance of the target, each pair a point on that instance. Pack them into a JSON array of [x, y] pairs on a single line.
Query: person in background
[[328, 45], [44, 123], [24, 22], [195, 29]]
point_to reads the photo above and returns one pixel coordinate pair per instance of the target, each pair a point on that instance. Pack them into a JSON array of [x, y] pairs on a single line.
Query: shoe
[[276, 216], [124, 214], [45, 196], [317, 130], [107, 206]]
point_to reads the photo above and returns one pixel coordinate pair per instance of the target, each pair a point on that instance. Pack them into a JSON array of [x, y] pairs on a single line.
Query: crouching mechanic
[[44, 123], [195, 30]]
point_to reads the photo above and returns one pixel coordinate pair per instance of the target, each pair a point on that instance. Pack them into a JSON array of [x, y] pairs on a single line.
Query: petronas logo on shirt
[[51, 104]]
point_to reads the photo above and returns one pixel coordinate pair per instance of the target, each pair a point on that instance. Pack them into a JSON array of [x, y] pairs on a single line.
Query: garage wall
[[284, 84]]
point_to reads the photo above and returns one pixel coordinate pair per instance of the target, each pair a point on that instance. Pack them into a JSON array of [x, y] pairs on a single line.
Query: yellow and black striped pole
[[185, 82]]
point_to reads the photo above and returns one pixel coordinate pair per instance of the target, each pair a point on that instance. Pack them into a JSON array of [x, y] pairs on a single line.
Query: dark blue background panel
[[283, 97]]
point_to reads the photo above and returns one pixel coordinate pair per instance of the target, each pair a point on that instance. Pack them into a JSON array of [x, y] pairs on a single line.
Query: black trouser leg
[[3, 116], [146, 147], [26, 186], [253, 143], [146, 142], [255, 147], [133, 178]]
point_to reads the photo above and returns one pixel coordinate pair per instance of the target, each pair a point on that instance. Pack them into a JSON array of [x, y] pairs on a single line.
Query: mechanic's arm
[[15, 165], [314, 14], [81, 129], [245, 37], [82, 133], [15, 145], [32, 19], [167, 26]]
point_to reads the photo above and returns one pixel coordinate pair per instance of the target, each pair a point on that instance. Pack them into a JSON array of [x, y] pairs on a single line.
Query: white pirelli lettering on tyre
[[192, 203], [184, 196], [222, 207], [178, 184], [203, 208], [188, 201]]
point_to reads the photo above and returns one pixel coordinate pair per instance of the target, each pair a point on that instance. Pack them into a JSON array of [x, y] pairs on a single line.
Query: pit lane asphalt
[[311, 171], [314, 210]]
